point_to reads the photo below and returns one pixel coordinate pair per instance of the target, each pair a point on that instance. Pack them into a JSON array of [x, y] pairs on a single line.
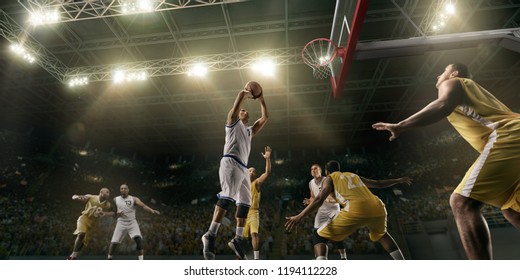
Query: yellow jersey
[[481, 113], [255, 196], [354, 195], [93, 207]]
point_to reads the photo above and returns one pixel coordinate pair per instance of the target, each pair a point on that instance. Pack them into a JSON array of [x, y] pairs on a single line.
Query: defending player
[[126, 221]]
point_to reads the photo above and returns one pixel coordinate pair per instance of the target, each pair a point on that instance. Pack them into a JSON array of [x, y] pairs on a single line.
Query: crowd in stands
[[39, 216]]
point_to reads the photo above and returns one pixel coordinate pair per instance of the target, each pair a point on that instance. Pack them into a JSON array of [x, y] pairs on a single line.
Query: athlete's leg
[[112, 249], [391, 247], [512, 216], [473, 228], [139, 247]]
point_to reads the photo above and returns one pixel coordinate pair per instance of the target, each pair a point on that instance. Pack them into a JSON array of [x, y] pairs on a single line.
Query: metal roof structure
[[393, 75]]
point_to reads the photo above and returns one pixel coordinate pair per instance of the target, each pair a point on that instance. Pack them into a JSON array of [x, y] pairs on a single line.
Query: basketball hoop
[[319, 54]]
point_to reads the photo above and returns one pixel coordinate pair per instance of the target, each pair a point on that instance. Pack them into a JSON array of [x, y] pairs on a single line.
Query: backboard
[[349, 16]]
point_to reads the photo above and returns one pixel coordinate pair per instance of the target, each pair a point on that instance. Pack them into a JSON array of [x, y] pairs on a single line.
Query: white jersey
[[126, 206], [327, 210], [238, 142]]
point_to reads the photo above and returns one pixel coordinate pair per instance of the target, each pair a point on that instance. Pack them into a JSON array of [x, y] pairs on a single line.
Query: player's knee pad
[[138, 243], [242, 211], [223, 203], [316, 239]]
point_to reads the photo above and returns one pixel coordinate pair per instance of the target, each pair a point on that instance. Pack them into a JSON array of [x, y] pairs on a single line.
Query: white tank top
[[126, 206], [238, 142], [316, 188]]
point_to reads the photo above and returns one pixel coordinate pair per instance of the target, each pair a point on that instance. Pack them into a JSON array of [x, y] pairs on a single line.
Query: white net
[[319, 54], [321, 72]]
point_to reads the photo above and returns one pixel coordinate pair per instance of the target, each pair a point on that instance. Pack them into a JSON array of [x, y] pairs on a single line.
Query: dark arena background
[[101, 98]]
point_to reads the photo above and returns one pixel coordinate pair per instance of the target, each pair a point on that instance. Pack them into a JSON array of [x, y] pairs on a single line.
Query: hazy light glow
[[78, 81], [44, 17], [198, 70], [23, 53], [266, 67], [121, 76], [443, 17], [137, 6], [450, 8]]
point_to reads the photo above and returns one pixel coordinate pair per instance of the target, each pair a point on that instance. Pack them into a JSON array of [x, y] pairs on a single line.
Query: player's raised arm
[[260, 123], [263, 177], [233, 113]]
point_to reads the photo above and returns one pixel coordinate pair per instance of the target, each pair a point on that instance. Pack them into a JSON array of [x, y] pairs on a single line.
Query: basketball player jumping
[[233, 173]]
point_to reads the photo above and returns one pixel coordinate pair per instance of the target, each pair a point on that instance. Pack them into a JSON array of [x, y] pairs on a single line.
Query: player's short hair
[[332, 166], [463, 70]]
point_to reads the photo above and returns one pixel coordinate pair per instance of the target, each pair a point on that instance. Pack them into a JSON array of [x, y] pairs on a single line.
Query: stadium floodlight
[[136, 6], [78, 81], [121, 76], [44, 17], [447, 11], [198, 70], [450, 8], [22, 52], [264, 66]]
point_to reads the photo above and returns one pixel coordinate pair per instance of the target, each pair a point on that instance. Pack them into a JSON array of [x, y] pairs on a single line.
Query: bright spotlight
[[265, 67], [198, 70], [44, 17], [123, 76], [119, 76], [136, 6], [22, 52], [78, 81], [450, 8]]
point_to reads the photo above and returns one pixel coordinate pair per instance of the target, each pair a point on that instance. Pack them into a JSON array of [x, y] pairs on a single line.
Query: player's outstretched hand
[[392, 127], [267, 153], [292, 222], [406, 180]]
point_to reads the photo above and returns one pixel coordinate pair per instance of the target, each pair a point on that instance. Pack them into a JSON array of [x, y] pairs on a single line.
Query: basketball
[[255, 89]]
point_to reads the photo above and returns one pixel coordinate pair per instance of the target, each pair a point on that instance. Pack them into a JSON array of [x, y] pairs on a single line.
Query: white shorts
[[125, 227], [324, 216], [234, 182]]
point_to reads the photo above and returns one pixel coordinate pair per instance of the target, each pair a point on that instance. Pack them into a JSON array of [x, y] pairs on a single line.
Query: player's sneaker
[[71, 258], [238, 246], [208, 251]]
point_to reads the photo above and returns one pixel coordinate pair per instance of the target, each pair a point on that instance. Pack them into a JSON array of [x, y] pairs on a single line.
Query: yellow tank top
[[480, 114], [93, 207], [255, 196], [354, 195]]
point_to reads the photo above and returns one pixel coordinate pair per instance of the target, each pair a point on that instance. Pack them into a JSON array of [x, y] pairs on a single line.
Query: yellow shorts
[[347, 223], [252, 222], [84, 225], [494, 178]]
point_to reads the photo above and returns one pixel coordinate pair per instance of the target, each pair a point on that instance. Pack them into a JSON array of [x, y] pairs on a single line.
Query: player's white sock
[[141, 257], [213, 228], [321, 258], [74, 254], [256, 255], [343, 255], [240, 232], [109, 257], [397, 255]]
